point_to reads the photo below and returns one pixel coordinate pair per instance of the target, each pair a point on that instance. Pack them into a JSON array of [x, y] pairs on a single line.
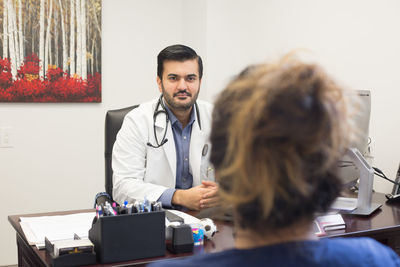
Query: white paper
[[188, 219], [344, 203], [58, 227]]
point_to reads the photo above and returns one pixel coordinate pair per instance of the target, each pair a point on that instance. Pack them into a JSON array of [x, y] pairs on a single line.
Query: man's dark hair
[[177, 53]]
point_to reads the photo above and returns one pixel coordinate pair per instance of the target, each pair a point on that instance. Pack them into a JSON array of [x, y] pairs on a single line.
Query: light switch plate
[[6, 137]]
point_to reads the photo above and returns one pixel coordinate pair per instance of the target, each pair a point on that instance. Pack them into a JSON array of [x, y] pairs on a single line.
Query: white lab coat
[[143, 171]]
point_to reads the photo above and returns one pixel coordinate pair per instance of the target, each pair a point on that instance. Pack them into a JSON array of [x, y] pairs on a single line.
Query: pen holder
[[129, 236]]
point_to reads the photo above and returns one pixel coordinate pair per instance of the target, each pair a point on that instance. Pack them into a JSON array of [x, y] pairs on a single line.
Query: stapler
[[179, 238]]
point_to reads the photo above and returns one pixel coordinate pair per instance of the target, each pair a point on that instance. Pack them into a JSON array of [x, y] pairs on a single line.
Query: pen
[[110, 210], [157, 206], [139, 206], [146, 205], [101, 210], [115, 208]]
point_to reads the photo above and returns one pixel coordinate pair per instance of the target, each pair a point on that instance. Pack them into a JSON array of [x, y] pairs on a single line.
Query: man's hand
[[189, 198], [198, 197], [211, 197]]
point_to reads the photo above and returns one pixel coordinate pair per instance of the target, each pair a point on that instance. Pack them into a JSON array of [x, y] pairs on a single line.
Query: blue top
[[184, 179], [326, 252]]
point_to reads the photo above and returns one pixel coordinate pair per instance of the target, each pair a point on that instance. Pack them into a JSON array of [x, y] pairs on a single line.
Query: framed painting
[[50, 51]]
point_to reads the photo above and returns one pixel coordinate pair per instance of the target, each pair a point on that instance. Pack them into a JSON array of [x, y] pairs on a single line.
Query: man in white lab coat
[[161, 152]]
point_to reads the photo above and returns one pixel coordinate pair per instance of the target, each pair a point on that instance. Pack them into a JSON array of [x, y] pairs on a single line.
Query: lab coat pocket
[[206, 168]]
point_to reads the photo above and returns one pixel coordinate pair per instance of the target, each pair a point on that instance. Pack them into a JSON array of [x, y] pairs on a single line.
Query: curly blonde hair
[[277, 133]]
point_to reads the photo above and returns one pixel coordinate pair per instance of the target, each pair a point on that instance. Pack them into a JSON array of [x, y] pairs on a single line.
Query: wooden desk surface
[[383, 225], [385, 219], [222, 240]]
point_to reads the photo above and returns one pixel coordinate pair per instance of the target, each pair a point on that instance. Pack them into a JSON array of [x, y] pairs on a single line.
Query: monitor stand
[[364, 200], [365, 212]]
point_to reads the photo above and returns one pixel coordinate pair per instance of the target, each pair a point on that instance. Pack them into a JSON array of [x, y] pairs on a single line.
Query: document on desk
[[345, 203], [188, 219], [58, 227]]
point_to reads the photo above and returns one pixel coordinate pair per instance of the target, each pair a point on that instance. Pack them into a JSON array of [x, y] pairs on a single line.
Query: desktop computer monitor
[[360, 105], [354, 165]]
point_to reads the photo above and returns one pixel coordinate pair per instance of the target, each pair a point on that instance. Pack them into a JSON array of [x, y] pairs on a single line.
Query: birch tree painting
[[50, 50]]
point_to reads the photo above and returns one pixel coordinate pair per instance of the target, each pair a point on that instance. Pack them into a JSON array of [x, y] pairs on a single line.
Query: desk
[[383, 225], [31, 256]]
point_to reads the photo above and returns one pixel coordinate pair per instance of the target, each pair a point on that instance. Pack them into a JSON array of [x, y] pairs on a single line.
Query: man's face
[[180, 83]]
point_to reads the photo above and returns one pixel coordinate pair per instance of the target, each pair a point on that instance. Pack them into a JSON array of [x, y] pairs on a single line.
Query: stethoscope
[[164, 112]]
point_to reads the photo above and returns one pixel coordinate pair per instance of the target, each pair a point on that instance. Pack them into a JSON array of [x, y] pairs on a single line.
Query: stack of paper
[[331, 222], [60, 227], [318, 231]]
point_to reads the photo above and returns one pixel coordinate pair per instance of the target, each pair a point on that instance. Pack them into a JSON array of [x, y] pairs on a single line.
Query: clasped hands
[[198, 197]]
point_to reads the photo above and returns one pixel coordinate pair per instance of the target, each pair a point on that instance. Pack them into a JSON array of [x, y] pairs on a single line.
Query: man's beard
[[179, 106]]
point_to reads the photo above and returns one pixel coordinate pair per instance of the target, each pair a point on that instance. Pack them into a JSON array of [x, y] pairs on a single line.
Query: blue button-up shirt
[[184, 177]]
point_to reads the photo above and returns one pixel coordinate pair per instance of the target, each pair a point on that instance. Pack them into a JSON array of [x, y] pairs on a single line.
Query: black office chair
[[114, 119]]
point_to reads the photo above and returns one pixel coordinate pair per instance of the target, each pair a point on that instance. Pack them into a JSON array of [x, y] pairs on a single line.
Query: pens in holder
[[129, 208], [137, 206], [115, 208], [134, 209], [98, 211], [101, 210], [105, 210], [156, 206], [146, 205], [141, 206], [109, 209], [125, 208]]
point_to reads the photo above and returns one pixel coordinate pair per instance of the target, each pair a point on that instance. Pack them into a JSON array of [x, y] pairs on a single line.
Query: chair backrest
[[114, 119]]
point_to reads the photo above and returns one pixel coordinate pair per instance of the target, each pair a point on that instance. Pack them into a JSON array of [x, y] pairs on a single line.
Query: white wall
[[356, 41], [57, 159]]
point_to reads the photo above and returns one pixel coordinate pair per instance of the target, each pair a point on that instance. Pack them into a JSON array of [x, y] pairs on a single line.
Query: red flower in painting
[[30, 68], [5, 73], [5, 96], [54, 73], [94, 84], [5, 65], [25, 91], [56, 86]]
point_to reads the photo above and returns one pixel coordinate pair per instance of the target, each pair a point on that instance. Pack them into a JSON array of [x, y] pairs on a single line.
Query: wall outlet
[[5, 137]]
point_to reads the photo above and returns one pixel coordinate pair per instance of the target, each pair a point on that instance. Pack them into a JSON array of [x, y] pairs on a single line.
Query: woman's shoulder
[[362, 250], [327, 252], [224, 258]]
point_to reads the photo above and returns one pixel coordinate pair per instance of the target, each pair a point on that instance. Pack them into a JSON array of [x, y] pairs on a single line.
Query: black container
[[129, 236], [69, 260], [179, 238]]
